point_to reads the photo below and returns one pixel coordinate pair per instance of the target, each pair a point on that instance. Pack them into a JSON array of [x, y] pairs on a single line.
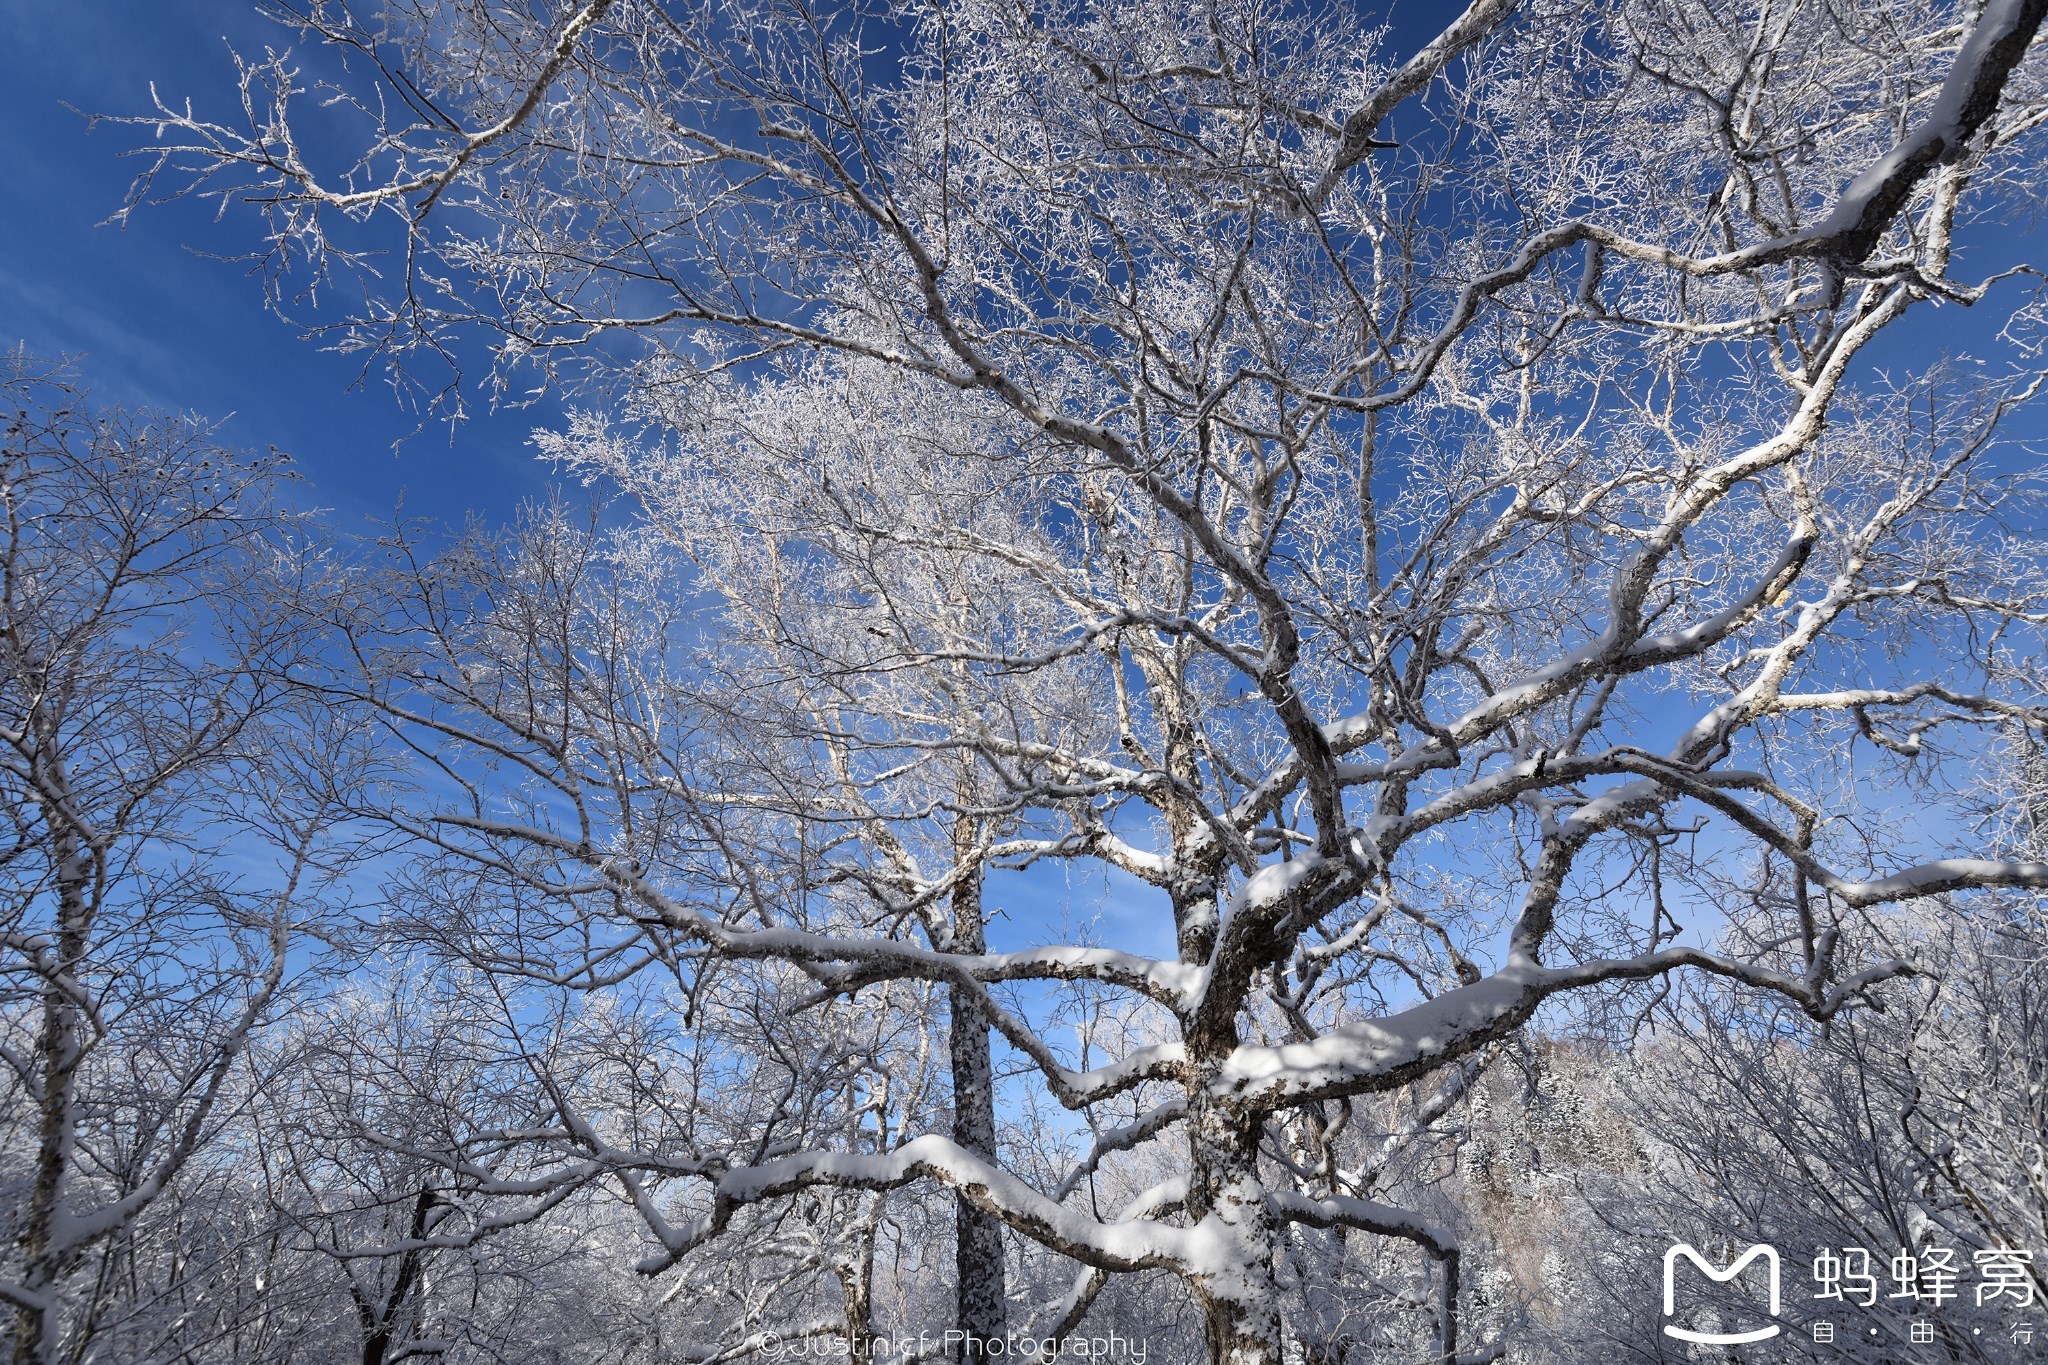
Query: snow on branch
[[1139, 1244]]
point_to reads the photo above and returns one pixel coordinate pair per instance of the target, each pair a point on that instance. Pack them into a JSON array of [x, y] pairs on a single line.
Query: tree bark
[[1240, 1304], [980, 1305], [60, 1048], [856, 1289]]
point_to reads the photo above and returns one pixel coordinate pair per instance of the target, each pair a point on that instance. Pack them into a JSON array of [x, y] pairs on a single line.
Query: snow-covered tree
[[1431, 516], [173, 836], [545, 673], [400, 1223], [1911, 1133]]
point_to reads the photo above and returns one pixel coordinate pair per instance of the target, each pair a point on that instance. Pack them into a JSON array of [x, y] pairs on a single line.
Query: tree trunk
[[60, 1049], [980, 1307], [380, 1327], [1240, 1304], [856, 1289]]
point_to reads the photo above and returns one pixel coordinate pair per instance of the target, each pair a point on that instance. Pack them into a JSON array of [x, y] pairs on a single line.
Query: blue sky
[[151, 321]]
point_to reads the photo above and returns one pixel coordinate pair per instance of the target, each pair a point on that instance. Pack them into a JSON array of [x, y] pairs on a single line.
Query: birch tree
[[1453, 477]]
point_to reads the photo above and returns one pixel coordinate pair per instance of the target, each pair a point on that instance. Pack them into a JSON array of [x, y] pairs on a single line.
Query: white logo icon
[[1768, 1255]]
